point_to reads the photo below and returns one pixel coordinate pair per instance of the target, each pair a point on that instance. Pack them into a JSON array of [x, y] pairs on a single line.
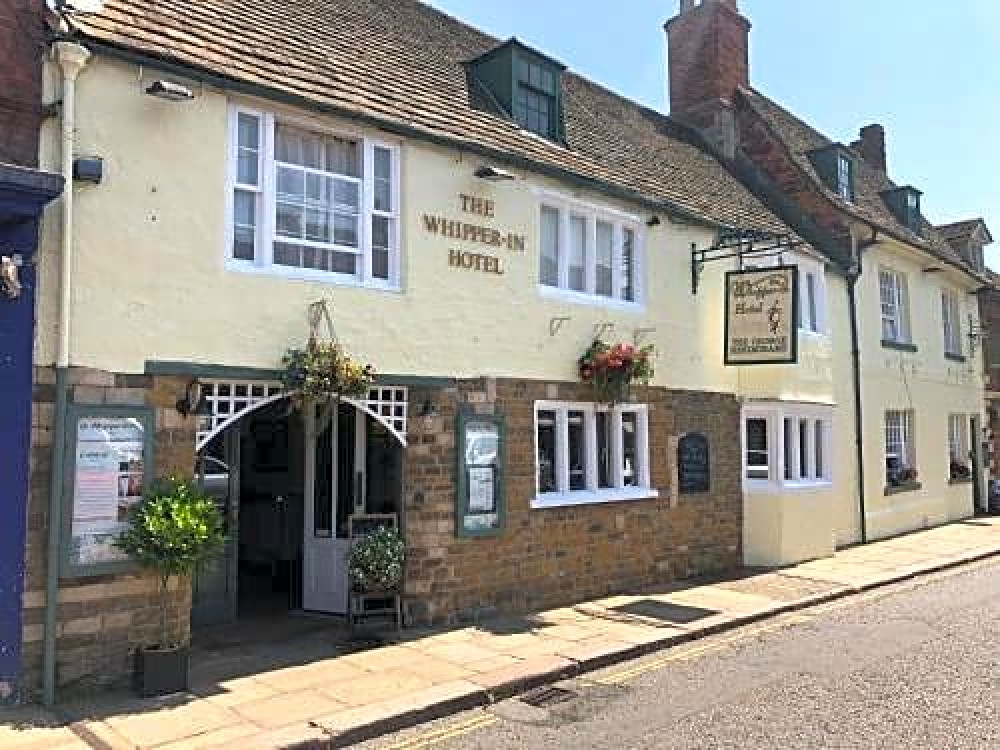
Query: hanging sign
[[762, 316]]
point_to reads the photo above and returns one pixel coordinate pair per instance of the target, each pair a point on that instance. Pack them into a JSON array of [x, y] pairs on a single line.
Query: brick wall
[[552, 557], [102, 620], [22, 43]]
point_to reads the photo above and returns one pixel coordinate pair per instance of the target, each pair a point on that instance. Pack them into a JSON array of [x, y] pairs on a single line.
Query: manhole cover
[[547, 696]]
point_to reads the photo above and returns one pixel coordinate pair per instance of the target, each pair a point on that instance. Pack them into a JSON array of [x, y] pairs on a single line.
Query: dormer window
[[520, 83], [835, 165], [904, 203]]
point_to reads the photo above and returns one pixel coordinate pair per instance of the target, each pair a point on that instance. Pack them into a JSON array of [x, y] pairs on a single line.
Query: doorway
[[287, 482]]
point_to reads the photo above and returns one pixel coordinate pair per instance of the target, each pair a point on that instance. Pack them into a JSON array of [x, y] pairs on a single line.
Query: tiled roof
[[799, 138], [400, 63], [962, 230]]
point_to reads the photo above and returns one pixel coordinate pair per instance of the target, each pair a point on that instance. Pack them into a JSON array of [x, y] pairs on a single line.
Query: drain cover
[[547, 696]]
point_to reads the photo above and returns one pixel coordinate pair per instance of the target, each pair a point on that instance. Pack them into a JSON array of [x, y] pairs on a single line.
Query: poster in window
[[761, 320], [108, 477], [479, 500]]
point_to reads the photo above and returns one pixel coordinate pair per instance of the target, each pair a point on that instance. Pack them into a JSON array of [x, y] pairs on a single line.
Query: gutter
[[71, 58], [186, 70]]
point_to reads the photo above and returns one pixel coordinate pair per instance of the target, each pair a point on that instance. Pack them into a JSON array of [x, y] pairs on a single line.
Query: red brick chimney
[[708, 53], [708, 59], [22, 43], [872, 146]]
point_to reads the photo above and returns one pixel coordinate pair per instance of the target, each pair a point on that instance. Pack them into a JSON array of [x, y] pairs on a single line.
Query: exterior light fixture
[[169, 91], [194, 403], [653, 221], [493, 174]]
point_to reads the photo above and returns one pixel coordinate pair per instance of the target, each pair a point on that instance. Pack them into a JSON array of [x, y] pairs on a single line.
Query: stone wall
[[102, 620], [558, 556]]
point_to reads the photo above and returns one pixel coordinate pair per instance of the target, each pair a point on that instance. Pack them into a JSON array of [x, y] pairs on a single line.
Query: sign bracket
[[740, 244]]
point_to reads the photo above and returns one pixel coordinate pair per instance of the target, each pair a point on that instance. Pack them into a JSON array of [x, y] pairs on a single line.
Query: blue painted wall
[[20, 206]]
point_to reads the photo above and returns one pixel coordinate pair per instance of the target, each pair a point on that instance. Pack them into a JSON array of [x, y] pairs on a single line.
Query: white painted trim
[[590, 300], [309, 274], [775, 413], [593, 497], [547, 195]]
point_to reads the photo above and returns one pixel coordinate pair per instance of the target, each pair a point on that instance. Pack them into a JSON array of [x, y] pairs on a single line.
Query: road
[[911, 666]]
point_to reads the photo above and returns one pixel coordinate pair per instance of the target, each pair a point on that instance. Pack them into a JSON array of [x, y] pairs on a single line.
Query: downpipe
[[853, 274]]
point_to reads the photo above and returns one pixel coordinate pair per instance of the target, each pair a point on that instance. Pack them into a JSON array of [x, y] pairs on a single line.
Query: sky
[[928, 70]]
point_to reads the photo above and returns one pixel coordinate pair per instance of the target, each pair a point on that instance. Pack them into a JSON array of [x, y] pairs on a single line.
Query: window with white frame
[[900, 458], [311, 203], [787, 444], [952, 323], [958, 447], [812, 290], [893, 299], [591, 453], [589, 251]]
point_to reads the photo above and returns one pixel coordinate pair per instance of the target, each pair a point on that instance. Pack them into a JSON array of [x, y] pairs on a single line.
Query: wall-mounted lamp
[[169, 91], [428, 409], [932, 269], [88, 169], [493, 174], [194, 403], [653, 221]]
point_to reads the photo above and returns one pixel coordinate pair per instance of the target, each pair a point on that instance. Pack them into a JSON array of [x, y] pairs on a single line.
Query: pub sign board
[[762, 307], [694, 464]]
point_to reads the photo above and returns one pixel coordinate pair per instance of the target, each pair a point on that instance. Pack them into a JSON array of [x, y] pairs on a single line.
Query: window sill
[[305, 274], [958, 481], [819, 335], [593, 300], [767, 486], [592, 497], [901, 346], [954, 357], [899, 489]]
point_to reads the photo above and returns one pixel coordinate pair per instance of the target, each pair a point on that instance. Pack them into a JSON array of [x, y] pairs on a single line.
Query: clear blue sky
[[928, 70]]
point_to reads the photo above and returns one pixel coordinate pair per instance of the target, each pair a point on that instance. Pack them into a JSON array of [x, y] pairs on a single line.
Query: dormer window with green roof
[[523, 84], [904, 202], [836, 167]]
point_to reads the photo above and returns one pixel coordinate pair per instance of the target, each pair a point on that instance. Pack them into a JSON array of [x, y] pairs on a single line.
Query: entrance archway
[[289, 481]]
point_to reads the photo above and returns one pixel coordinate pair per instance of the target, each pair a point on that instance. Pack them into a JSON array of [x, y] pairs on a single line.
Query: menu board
[[480, 462], [108, 476]]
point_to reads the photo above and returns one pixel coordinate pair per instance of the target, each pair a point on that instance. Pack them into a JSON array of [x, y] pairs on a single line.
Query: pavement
[[342, 698]]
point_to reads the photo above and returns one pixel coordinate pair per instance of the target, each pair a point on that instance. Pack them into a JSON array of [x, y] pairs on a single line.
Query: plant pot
[[162, 671]]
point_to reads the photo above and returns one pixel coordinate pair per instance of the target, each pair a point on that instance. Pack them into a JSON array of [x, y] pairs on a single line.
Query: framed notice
[[109, 459], [762, 307], [479, 499]]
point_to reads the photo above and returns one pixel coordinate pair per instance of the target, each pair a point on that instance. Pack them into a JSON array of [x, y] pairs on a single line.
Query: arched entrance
[[289, 480]]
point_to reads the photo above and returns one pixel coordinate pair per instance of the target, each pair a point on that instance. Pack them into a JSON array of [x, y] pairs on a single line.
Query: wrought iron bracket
[[740, 244]]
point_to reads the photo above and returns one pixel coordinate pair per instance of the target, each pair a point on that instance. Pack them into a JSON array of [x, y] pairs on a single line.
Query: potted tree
[[175, 528]]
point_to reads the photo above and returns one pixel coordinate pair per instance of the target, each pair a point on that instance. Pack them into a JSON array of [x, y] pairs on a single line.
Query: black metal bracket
[[740, 244]]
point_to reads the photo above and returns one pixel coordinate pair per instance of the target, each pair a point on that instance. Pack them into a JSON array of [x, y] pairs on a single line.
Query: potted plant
[[612, 369], [175, 528], [375, 562], [324, 371]]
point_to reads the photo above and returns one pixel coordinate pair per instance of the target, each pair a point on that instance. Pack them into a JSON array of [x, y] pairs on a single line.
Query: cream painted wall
[[924, 381]]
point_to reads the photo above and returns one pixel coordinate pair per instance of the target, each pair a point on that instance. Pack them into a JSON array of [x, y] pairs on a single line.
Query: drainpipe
[[71, 58], [853, 274]]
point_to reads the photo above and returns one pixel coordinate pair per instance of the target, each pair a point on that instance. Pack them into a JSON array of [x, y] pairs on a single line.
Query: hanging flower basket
[[613, 369], [324, 371]]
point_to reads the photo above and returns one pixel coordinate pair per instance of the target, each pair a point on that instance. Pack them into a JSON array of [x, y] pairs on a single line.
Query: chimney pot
[[872, 146]]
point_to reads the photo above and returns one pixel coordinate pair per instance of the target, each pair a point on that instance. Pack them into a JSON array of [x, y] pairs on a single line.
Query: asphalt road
[[911, 666]]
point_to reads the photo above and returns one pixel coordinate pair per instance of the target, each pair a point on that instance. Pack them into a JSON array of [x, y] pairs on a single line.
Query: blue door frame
[[23, 195]]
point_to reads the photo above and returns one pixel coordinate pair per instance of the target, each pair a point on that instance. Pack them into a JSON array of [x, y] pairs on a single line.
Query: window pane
[[546, 457], [244, 225], [383, 179], [605, 475], [317, 225], [316, 151], [820, 457], [628, 265], [290, 220], [789, 440], [246, 167], [630, 455], [810, 320], [345, 229], [605, 253], [380, 247], [577, 253], [757, 448], [291, 184], [577, 451], [804, 449], [249, 131], [549, 271]]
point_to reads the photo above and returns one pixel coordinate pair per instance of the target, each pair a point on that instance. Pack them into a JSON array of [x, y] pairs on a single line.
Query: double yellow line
[[446, 733]]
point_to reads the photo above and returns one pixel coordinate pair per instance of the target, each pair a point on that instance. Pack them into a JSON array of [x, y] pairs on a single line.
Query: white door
[[334, 488]]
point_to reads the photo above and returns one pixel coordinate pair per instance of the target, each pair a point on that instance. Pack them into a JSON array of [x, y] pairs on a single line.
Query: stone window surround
[[592, 495]]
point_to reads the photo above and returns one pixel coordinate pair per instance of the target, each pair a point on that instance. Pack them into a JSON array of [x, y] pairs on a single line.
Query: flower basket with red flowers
[[613, 368]]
